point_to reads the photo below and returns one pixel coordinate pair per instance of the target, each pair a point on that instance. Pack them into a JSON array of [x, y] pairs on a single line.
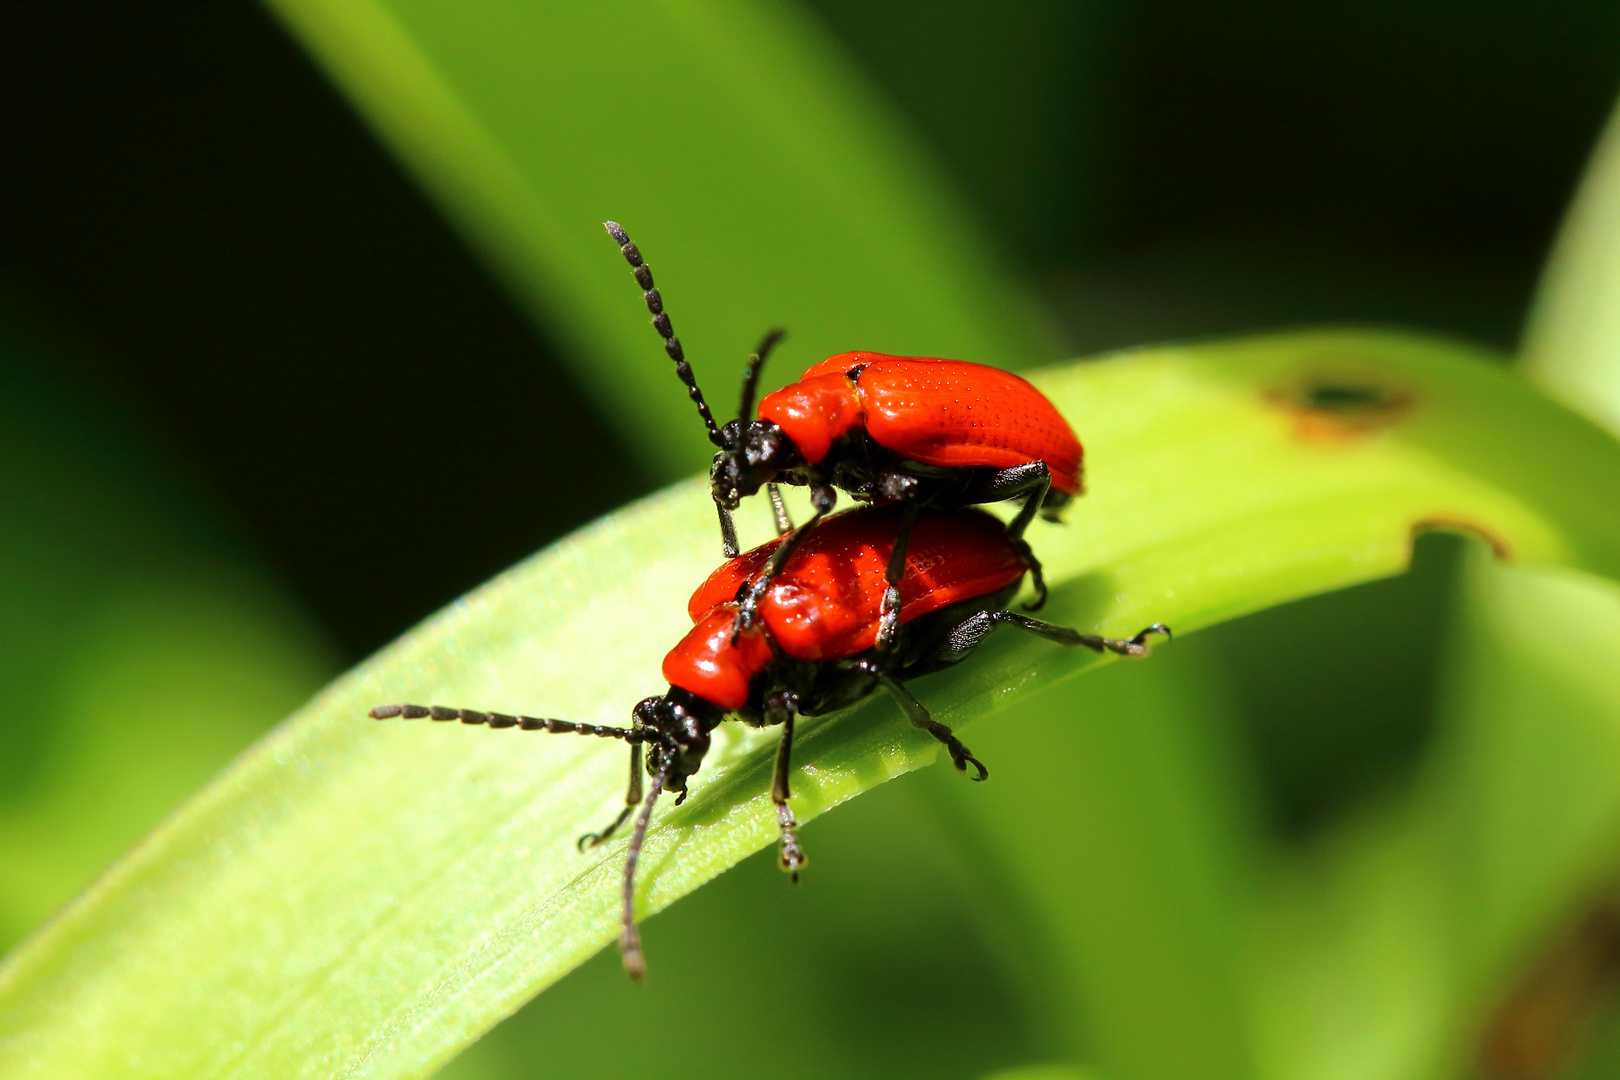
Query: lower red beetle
[[813, 651]]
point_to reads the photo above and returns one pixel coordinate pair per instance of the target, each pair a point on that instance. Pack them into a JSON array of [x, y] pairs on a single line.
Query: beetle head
[[682, 724], [753, 456]]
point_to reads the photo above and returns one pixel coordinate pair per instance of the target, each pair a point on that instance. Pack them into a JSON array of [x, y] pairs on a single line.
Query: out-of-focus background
[[265, 403]]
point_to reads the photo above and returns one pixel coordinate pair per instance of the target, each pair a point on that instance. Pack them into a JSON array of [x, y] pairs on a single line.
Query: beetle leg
[[1030, 481], [783, 708], [728, 533], [823, 498], [635, 964], [971, 632], [1036, 578], [1134, 646], [1038, 478], [889, 620], [961, 757], [632, 799], [779, 510]]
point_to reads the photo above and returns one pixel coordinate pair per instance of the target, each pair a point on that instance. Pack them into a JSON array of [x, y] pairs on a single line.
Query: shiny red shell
[[938, 412], [707, 664], [826, 602]]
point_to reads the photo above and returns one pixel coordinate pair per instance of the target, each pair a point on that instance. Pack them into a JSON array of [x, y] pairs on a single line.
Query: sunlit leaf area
[[321, 387]]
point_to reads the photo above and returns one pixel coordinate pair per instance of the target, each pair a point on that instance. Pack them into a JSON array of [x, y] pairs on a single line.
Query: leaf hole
[[1338, 407]]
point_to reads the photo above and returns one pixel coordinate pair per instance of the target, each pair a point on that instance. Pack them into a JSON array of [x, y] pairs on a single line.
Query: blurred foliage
[[257, 280], [1572, 343], [1364, 834], [1553, 1017], [138, 650]]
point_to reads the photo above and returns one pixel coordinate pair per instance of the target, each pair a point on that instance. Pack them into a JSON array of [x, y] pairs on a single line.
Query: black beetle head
[[753, 457], [682, 736]]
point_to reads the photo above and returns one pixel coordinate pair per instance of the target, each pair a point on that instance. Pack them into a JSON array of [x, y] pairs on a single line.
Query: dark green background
[[235, 259]]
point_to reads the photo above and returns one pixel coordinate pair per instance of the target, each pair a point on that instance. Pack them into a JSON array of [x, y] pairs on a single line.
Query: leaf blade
[[377, 895]]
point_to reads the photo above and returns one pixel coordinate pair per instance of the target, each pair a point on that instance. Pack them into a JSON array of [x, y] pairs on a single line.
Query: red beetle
[[915, 430], [813, 651]]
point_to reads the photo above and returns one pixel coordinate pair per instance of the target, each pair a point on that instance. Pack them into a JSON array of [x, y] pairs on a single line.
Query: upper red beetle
[[812, 651], [914, 430]]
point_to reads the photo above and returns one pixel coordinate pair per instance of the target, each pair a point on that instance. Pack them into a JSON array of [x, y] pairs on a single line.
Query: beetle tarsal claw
[[965, 760], [635, 963], [1139, 643], [791, 858]]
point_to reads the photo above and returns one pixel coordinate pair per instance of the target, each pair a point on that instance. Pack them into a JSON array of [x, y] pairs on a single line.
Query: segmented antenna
[[672, 344], [504, 720], [756, 363], [635, 964]]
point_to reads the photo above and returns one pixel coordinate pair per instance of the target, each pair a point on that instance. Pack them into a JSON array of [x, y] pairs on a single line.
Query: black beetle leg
[[824, 498], [1135, 646], [889, 620], [632, 799], [783, 708], [961, 756], [779, 510]]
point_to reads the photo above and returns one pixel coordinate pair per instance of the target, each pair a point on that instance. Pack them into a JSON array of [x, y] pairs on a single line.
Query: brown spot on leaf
[[1341, 406]]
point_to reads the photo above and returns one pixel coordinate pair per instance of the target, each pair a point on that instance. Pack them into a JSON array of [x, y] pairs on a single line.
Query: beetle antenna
[[661, 323], [635, 964], [502, 720], [756, 363]]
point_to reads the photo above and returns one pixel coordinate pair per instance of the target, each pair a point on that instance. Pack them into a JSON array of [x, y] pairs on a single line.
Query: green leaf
[[896, 957], [366, 898], [757, 168], [1572, 341]]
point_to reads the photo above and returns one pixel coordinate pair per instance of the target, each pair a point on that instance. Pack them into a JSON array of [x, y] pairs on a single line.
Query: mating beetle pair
[[823, 615]]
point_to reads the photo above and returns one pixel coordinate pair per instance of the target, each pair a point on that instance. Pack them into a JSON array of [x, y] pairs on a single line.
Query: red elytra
[[938, 412], [826, 602]]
